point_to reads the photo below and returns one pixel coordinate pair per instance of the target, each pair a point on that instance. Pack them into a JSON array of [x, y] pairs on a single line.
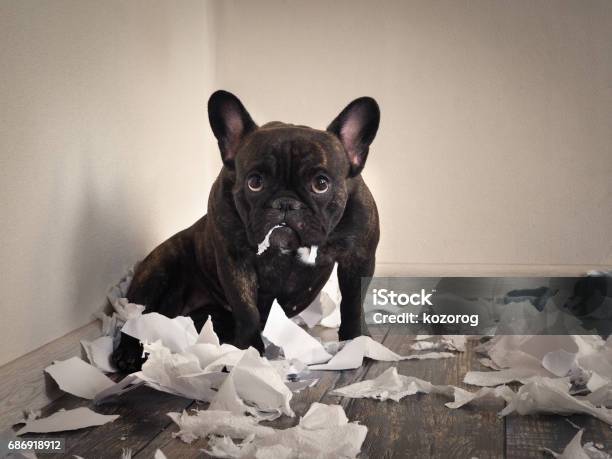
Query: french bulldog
[[288, 204]]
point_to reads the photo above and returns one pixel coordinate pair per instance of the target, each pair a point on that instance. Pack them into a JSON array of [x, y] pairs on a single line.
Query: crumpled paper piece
[[177, 334], [123, 309], [178, 374], [538, 395], [575, 450], [390, 385], [352, 354], [258, 383], [495, 378], [62, 420], [580, 357], [547, 395], [553, 369], [323, 432], [446, 342], [325, 308], [214, 422], [99, 352], [602, 396], [78, 377], [308, 255], [293, 339], [255, 387], [130, 382]]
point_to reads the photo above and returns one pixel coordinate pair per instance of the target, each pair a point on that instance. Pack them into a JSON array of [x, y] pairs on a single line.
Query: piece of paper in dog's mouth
[[265, 244], [307, 255]]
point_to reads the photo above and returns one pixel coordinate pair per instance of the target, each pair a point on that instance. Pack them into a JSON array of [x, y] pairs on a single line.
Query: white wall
[[494, 153], [103, 138], [495, 148]]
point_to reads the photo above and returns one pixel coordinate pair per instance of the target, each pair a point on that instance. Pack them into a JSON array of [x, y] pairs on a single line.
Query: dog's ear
[[230, 122], [356, 128]]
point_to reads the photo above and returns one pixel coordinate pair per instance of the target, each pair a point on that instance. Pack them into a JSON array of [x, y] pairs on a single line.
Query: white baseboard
[[482, 269]]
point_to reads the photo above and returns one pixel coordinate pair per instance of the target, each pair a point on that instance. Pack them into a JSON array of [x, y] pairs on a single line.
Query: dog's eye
[[255, 182], [320, 184]]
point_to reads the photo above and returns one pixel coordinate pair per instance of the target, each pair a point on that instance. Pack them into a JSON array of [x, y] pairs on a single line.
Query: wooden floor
[[418, 426]]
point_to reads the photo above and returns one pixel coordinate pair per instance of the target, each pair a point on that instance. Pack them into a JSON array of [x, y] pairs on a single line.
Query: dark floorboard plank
[[420, 425], [73, 437], [527, 435], [142, 416]]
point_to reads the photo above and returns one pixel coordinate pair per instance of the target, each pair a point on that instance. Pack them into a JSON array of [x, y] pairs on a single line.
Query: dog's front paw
[[258, 343], [255, 341], [128, 355]]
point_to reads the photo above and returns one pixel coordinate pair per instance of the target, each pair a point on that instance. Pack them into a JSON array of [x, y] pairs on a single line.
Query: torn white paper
[[227, 399], [559, 362], [295, 342], [454, 342], [126, 310], [602, 396], [67, 420], [120, 289], [99, 353], [127, 384], [463, 397], [308, 255], [425, 346], [78, 377], [258, 383], [388, 385], [212, 355], [323, 432], [352, 354], [596, 382], [392, 386], [265, 244], [159, 454], [255, 385], [575, 450], [176, 334], [428, 356], [212, 422], [448, 342], [546, 395], [228, 357], [178, 374], [207, 334], [325, 308], [495, 378]]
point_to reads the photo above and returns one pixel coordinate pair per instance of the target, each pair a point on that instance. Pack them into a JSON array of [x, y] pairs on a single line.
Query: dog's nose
[[286, 204]]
